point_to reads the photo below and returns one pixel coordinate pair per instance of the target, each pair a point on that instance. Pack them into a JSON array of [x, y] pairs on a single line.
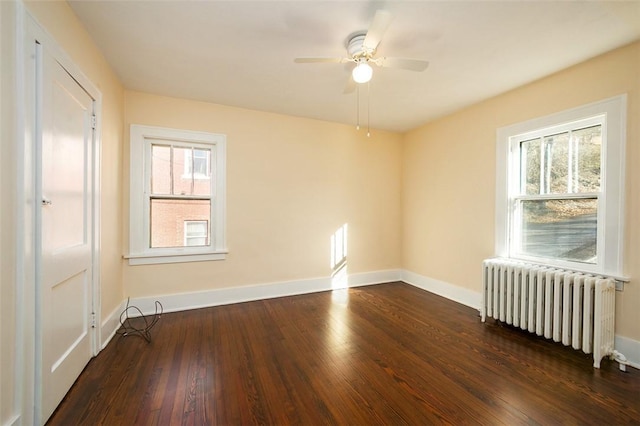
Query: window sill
[[156, 259], [569, 266]]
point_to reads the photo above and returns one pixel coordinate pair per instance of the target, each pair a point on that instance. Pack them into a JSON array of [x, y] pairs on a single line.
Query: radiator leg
[[596, 362], [485, 284]]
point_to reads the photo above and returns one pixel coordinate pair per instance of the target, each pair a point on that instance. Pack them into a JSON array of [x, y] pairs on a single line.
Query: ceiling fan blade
[[402, 63], [377, 29], [318, 60]]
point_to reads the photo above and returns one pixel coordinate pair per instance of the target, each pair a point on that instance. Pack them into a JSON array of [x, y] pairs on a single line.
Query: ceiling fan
[[362, 47]]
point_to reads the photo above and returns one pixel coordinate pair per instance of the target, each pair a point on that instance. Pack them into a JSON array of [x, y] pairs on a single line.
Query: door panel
[[68, 164], [66, 218]]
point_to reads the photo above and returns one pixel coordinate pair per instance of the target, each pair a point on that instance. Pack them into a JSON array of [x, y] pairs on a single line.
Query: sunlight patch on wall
[[338, 333], [339, 278]]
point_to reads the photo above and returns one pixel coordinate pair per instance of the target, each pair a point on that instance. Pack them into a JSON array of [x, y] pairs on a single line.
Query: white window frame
[[140, 252], [610, 216]]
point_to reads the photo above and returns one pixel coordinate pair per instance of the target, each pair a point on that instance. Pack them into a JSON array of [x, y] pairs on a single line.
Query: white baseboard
[[226, 296], [452, 292], [110, 325], [630, 349], [13, 421]]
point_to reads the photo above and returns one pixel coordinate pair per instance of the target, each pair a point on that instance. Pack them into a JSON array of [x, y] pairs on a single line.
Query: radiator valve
[[621, 359]]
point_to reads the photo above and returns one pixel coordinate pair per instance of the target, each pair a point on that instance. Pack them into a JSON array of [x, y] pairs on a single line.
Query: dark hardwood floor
[[385, 354]]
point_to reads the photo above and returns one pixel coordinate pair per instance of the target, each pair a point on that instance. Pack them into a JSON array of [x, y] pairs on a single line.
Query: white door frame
[[28, 333]]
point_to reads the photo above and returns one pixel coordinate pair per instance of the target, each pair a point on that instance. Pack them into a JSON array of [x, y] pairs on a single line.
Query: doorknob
[[46, 202]]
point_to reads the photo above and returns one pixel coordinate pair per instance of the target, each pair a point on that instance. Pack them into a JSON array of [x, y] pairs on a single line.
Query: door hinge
[[93, 320], [93, 122]]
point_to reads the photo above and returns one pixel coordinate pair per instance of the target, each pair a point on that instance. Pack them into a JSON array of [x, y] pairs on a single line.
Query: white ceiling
[[240, 53]]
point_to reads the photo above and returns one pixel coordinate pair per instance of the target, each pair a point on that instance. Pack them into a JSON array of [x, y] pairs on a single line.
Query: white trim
[[372, 278], [25, 262], [629, 348], [97, 219], [450, 291], [10, 128], [14, 421], [24, 351], [226, 296], [611, 208], [156, 259], [110, 324]]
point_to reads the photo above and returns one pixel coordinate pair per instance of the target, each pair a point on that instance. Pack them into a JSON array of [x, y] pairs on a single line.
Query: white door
[[66, 218]]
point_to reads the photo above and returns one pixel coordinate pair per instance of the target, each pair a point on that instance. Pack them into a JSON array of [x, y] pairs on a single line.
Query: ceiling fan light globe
[[362, 73]]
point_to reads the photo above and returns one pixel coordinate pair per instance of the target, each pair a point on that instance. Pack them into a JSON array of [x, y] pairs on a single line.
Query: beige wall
[[291, 183], [60, 21], [449, 175]]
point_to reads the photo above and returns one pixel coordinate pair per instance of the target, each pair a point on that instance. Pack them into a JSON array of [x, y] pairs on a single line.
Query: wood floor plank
[[383, 354]]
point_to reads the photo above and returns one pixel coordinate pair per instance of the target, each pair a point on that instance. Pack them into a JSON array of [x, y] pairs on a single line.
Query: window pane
[[560, 229], [191, 171], [201, 171], [196, 241], [556, 154], [201, 162], [588, 144], [160, 169], [530, 166], [182, 177], [196, 228], [168, 218], [196, 233]]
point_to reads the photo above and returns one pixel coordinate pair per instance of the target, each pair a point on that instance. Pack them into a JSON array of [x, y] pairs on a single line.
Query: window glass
[[554, 167], [200, 158], [171, 176], [168, 217], [197, 163], [530, 165], [588, 143], [160, 169], [195, 233], [181, 178], [177, 196], [560, 229], [555, 221]]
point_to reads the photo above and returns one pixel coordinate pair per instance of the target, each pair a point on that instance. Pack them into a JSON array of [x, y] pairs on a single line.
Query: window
[[177, 206], [556, 203], [560, 189], [196, 233]]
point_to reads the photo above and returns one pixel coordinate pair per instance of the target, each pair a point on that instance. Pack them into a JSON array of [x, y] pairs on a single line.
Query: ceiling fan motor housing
[[356, 48]]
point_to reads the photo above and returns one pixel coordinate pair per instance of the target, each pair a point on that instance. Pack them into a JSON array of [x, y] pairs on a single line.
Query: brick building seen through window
[[180, 196]]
